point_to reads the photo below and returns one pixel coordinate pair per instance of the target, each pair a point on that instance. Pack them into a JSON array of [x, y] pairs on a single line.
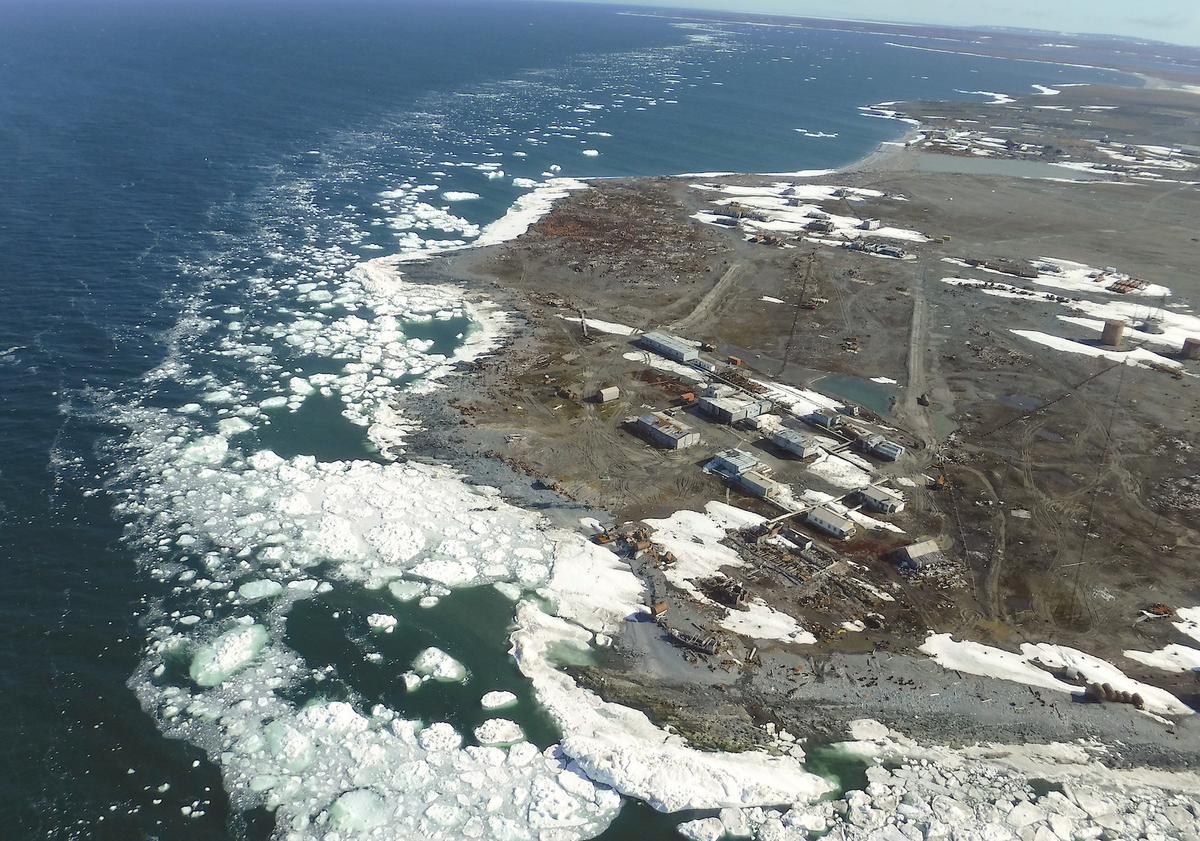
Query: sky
[[1173, 21]]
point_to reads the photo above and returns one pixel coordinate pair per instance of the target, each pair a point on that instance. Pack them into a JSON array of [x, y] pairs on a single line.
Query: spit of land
[[1008, 295]]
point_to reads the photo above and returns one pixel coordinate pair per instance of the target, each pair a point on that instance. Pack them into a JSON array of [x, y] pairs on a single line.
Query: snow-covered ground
[[1030, 667], [1150, 320], [787, 208], [694, 538]]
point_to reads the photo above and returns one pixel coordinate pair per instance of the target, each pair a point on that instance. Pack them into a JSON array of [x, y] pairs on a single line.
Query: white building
[[831, 523], [758, 484], [882, 499], [795, 443], [733, 409], [669, 346]]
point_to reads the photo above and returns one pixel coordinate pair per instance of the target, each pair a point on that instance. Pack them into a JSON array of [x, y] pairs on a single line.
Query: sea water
[[227, 613]]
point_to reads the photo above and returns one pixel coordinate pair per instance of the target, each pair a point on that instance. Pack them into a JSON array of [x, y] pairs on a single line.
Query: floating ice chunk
[[868, 730], [451, 195], [261, 589], [437, 664], [450, 573], [300, 386], [735, 822], [211, 449], [496, 700], [396, 542], [359, 811], [227, 655], [704, 829], [337, 716], [499, 731], [405, 591], [509, 591], [292, 749], [382, 622], [591, 153], [232, 426], [439, 736]]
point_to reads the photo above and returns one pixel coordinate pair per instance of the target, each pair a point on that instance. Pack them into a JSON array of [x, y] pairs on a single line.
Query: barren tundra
[[1055, 472]]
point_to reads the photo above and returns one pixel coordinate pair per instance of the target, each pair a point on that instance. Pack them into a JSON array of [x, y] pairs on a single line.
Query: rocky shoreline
[[950, 755]]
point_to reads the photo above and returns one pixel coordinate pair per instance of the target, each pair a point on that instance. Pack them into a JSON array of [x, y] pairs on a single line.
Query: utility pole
[[787, 351]]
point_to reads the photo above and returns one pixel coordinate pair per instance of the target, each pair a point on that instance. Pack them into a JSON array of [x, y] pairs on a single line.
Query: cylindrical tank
[[1191, 348], [1114, 331]]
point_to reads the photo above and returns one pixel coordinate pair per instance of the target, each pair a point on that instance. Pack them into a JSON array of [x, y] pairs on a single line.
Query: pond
[[876, 397], [976, 165]]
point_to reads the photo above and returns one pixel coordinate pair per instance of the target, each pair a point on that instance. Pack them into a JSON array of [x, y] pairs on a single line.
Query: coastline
[[880, 705], [889, 155]]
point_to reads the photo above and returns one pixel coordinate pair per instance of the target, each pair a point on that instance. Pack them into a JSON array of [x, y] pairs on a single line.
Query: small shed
[[831, 523], [758, 484], [608, 394], [870, 224], [884, 500], [916, 555], [823, 420]]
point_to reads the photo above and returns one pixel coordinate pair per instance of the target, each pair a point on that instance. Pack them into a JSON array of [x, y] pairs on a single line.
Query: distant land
[[1170, 62]]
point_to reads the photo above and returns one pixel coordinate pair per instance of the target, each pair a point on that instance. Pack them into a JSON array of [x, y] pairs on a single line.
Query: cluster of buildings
[[726, 404]]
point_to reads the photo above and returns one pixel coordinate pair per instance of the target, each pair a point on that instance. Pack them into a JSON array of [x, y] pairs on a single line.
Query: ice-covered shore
[[259, 532], [927, 801]]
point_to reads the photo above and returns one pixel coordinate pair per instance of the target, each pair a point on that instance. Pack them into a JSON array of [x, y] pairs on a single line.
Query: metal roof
[[831, 517], [663, 340], [739, 459], [666, 425], [794, 437]]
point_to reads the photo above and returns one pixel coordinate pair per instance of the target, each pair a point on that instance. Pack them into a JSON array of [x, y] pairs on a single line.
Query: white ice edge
[[620, 747]]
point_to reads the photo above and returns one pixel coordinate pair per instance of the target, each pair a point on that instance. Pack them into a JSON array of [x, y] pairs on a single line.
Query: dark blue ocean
[[185, 191]]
